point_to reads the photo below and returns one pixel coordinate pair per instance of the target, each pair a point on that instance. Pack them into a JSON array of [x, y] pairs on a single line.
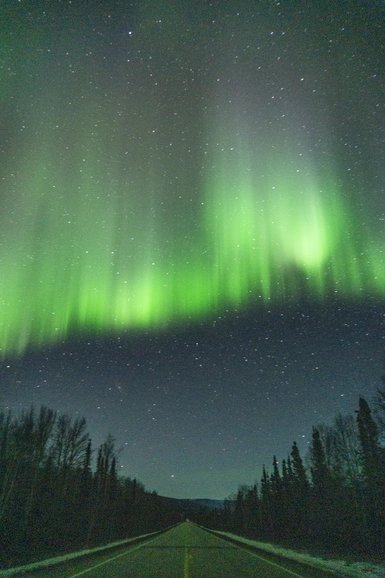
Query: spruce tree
[[299, 473], [372, 459], [277, 501], [371, 452], [290, 475], [266, 513], [299, 494], [276, 478], [319, 471]]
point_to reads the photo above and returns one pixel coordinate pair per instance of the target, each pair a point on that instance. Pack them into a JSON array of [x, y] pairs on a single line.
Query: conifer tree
[[372, 455], [299, 473], [239, 511], [299, 493], [252, 507], [319, 471], [290, 475], [276, 481], [372, 459], [266, 513]]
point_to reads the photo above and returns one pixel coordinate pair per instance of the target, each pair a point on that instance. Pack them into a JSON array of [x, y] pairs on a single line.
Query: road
[[184, 551]]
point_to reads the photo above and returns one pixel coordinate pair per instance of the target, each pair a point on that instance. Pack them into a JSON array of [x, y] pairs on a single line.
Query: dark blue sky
[[199, 410]]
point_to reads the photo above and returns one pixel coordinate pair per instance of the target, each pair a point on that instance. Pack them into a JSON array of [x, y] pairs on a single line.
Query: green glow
[[95, 239]]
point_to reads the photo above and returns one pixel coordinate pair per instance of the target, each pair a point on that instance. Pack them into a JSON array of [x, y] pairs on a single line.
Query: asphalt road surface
[[185, 551]]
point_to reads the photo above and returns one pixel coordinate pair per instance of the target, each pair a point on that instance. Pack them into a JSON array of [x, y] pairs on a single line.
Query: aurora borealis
[[168, 165], [116, 218], [91, 260]]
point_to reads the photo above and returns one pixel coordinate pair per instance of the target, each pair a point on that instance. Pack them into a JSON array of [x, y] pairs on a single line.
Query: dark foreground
[[184, 551]]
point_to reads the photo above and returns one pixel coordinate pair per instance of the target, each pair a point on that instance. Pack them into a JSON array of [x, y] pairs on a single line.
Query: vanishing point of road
[[184, 551]]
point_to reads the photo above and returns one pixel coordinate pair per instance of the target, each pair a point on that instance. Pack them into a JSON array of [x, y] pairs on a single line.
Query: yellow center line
[[186, 563]]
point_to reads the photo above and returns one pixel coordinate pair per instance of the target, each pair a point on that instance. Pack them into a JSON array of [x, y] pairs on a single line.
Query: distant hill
[[211, 504], [191, 504]]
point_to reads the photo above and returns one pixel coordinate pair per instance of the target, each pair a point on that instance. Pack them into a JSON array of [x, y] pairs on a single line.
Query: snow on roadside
[[70, 556], [339, 567]]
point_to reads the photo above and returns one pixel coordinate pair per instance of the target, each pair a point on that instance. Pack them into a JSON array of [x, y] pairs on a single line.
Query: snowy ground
[[70, 556], [339, 567]]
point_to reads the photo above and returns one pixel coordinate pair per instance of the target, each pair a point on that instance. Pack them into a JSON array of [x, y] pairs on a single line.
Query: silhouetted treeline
[[52, 499], [58, 493], [336, 503]]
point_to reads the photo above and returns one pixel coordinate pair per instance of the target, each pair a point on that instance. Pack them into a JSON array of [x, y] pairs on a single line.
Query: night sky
[[192, 225]]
